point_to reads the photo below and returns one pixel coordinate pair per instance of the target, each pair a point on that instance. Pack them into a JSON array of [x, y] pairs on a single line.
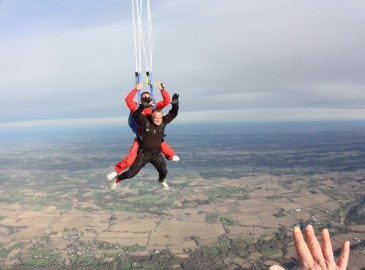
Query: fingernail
[[296, 229], [309, 227]]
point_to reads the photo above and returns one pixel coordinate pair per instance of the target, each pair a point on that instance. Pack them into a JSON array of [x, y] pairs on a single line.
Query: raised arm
[[132, 105], [138, 116], [174, 109], [165, 96]]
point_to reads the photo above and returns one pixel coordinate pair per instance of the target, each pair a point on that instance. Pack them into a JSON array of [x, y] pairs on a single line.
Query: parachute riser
[[138, 80], [149, 82]]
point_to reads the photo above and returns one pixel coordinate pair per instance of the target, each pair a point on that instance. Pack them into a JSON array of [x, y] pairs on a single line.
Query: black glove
[[175, 99], [146, 102]]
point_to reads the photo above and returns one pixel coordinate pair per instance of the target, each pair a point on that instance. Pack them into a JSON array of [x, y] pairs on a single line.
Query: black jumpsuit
[[150, 144]]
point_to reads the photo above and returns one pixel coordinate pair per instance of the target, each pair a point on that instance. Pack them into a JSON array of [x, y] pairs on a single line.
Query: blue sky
[[72, 61]]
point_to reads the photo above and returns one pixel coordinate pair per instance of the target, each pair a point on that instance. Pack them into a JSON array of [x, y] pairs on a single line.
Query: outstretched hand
[[175, 99], [312, 256], [160, 85], [139, 86], [146, 102]]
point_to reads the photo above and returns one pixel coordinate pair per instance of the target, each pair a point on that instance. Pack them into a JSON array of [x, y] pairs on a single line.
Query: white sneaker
[[175, 158], [115, 185], [111, 176], [165, 185]]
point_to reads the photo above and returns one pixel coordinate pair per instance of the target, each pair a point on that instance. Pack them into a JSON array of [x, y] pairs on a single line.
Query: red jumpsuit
[[132, 105]]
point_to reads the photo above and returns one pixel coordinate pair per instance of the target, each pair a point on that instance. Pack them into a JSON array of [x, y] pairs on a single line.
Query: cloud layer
[[247, 60]]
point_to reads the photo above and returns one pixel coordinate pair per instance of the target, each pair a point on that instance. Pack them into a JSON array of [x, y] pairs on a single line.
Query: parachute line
[[139, 40], [150, 36]]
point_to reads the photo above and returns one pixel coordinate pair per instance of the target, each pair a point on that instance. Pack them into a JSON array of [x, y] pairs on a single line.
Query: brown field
[[309, 201], [181, 230], [194, 219]]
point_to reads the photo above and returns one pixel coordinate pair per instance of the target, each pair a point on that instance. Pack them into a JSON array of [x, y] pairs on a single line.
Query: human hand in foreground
[[312, 256]]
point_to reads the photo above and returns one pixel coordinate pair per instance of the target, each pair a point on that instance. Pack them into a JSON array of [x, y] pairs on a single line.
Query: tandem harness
[[151, 129], [148, 128]]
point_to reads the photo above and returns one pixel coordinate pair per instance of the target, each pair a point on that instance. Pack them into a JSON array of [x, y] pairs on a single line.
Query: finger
[[276, 267], [303, 253], [327, 247], [314, 247], [344, 256]]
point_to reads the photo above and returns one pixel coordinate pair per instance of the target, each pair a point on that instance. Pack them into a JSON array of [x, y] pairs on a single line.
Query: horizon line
[[109, 121]]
